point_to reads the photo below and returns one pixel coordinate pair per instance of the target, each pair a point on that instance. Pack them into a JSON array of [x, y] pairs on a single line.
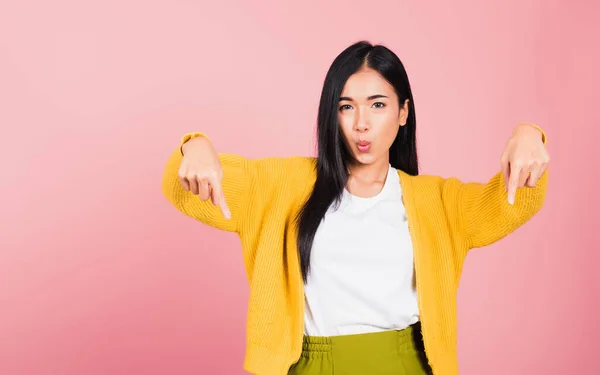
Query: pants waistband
[[406, 339]]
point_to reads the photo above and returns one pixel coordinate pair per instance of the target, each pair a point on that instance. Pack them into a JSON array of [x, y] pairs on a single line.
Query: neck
[[370, 173]]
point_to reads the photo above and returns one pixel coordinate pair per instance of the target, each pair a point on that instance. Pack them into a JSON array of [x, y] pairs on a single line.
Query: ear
[[403, 115]]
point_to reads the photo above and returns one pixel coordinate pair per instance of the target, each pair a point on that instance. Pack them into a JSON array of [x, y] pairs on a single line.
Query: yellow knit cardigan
[[446, 218]]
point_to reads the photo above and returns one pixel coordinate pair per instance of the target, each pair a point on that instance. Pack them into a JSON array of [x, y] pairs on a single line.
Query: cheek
[[346, 126], [388, 130]]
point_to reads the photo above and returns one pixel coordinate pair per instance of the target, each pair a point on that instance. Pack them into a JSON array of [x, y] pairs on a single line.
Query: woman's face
[[370, 116]]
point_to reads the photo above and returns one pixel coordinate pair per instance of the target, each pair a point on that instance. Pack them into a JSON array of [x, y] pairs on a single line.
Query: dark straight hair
[[334, 155]]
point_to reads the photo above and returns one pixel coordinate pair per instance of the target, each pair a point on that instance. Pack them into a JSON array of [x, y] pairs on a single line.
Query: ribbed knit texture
[[446, 218]]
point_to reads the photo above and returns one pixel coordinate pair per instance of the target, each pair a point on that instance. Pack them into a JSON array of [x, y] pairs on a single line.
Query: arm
[[487, 215], [236, 179], [489, 212]]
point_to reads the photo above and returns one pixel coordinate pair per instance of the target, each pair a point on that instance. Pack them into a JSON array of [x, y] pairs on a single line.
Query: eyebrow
[[372, 97]]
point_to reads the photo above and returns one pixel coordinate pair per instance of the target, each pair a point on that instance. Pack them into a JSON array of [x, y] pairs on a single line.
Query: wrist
[[528, 129], [193, 142]]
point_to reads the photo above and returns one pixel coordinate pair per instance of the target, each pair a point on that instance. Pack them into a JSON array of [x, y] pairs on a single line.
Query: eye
[[345, 106], [378, 105]]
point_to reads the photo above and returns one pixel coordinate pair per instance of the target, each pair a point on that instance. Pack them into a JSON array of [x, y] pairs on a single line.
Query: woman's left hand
[[524, 160]]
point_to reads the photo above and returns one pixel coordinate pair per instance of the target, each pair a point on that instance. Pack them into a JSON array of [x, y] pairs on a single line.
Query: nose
[[362, 122]]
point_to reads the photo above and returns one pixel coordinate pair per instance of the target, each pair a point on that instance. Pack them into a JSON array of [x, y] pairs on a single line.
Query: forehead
[[366, 82]]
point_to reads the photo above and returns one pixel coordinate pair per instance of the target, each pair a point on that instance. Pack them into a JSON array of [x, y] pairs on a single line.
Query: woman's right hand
[[200, 172]]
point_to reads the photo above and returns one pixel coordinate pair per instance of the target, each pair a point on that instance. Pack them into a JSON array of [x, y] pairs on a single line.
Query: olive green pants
[[380, 353]]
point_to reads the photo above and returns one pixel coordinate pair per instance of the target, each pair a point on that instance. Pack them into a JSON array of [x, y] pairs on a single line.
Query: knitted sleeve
[[486, 214], [249, 185], [235, 186]]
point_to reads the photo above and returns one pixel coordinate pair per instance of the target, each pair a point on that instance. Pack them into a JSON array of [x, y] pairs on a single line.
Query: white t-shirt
[[362, 270]]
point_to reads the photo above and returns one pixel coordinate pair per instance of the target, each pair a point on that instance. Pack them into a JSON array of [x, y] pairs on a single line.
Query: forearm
[[487, 214]]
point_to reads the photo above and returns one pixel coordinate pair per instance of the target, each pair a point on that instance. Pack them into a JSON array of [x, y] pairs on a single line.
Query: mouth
[[363, 146]]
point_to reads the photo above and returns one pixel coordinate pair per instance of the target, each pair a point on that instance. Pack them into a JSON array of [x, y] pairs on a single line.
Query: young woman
[[353, 259]]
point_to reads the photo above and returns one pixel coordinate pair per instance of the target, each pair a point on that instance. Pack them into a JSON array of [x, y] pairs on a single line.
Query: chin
[[365, 158]]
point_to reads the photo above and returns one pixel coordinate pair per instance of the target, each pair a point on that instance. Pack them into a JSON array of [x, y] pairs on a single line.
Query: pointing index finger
[[219, 197], [513, 181]]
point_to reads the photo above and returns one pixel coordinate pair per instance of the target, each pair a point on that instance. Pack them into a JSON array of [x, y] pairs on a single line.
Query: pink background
[[99, 275]]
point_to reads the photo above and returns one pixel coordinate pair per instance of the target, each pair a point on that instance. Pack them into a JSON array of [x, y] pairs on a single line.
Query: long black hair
[[334, 155]]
